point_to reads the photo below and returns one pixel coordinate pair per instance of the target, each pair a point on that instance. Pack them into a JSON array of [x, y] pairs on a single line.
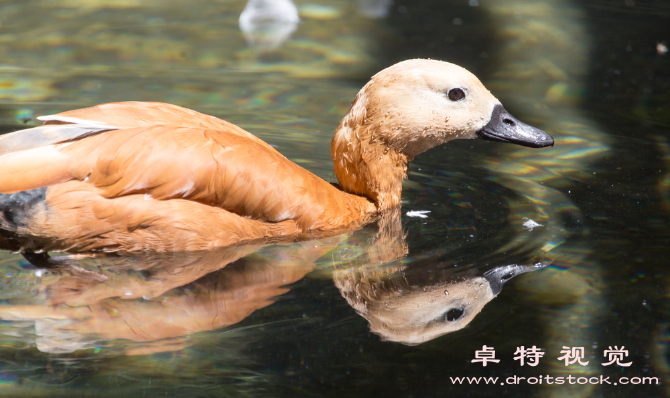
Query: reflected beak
[[498, 276], [504, 127]]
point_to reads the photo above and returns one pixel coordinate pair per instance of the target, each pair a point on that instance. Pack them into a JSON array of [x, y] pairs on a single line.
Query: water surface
[[311, 318]]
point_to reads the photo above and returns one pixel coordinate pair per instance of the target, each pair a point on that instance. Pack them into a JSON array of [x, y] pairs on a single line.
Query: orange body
[[171, 179]]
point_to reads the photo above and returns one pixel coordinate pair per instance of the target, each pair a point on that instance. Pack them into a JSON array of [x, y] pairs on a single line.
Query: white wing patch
[[78, 122], [51, 134]]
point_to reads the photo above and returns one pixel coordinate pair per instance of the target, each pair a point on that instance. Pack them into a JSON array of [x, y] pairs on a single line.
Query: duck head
[[409, 108]]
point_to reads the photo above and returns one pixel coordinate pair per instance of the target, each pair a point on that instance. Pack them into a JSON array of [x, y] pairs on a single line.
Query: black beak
[[498, 276], [504, 127]]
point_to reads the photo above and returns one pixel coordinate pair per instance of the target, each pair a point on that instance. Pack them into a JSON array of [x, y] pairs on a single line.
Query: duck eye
[[454, 314], [456, 94]]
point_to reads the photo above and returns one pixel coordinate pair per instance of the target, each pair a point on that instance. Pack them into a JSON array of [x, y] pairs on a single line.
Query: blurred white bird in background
[[267, 24]]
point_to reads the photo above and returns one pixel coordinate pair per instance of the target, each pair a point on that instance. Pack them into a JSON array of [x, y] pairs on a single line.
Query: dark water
[[333, 317]]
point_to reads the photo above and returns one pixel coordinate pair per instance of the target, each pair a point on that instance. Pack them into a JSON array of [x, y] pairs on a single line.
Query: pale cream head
[[408, 106], [419, 110]]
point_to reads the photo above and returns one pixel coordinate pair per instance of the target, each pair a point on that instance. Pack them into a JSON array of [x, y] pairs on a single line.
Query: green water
[[290, 320]]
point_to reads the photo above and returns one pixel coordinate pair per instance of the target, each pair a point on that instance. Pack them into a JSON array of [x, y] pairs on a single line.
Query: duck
[[148, 176]]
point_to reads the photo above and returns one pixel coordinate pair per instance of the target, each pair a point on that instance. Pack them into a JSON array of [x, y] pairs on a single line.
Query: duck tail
[[16, 213]]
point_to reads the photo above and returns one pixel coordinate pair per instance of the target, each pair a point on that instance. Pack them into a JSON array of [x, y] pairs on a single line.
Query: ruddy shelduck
[[150, 176]]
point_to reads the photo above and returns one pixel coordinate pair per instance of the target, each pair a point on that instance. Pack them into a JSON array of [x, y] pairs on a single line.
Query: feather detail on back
[[143, 114]]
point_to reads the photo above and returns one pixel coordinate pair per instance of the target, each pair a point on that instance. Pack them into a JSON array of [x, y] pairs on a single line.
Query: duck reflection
[[419, 304], [159, 300]]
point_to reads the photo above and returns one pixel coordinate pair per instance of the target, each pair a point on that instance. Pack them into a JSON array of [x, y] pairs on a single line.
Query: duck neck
[[365, 165]]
